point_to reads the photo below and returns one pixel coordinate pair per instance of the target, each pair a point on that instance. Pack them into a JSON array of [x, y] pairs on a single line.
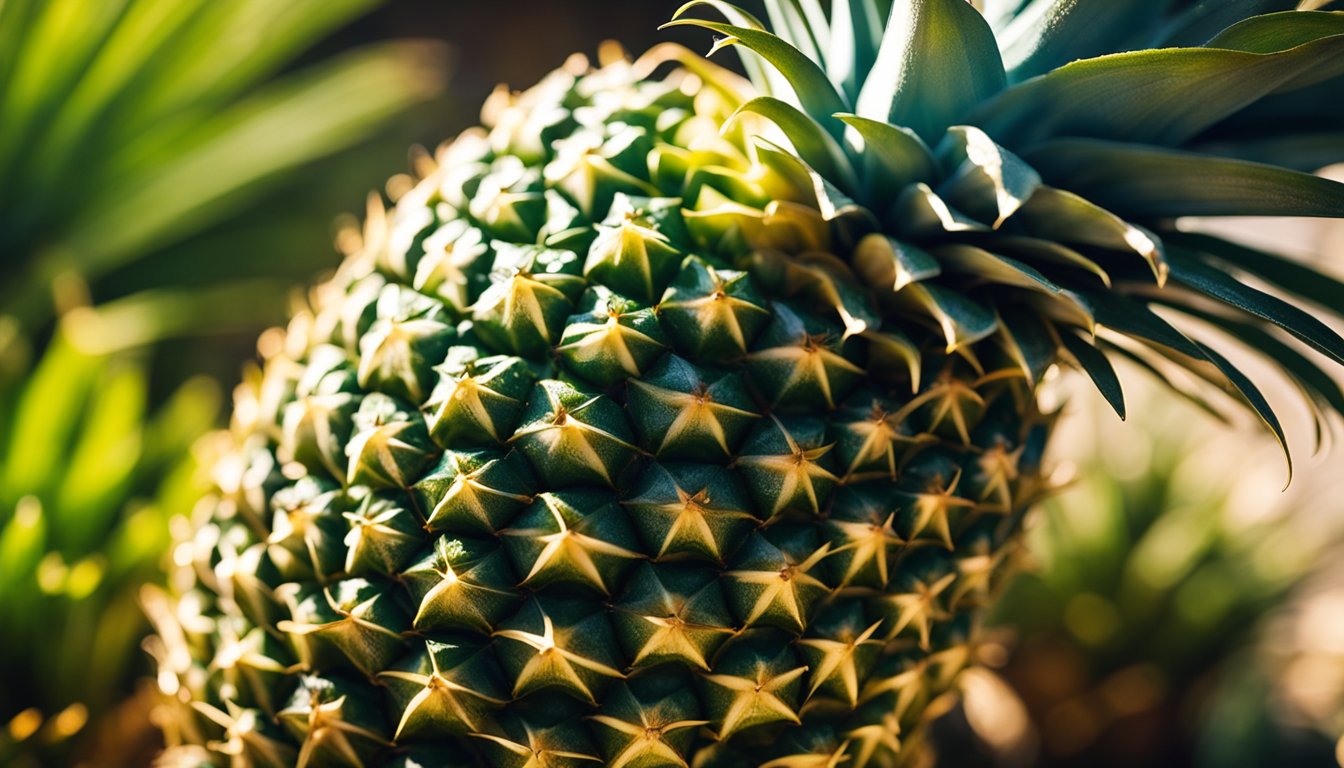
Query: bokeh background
[[172, 171]]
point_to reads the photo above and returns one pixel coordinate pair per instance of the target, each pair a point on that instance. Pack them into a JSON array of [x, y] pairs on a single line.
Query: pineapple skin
[[583, 457]]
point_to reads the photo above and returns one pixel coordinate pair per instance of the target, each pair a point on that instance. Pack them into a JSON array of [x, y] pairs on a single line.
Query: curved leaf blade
[[1291, 276], [816, 95], [1147, 183], [813, 144], [984, 179], [1049, 33], [1160, 97], [938, 60], [1220, 286], [1098, 367], [895, 157]]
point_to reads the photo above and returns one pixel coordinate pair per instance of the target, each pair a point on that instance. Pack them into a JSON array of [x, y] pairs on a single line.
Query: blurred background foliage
[[170, 170], [1175, 607]]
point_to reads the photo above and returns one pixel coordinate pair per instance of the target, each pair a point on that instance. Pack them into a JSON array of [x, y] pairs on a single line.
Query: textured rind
[[594, 453]]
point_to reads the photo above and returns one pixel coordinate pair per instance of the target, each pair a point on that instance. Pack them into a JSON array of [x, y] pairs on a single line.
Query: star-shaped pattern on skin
[[468, 400], [919, 608], [244, 740], [796, 473], [908, 686], [459, 589], [443, 270], [522, 304], [366, 644], [691, 515], [563, 436], [676, 637], [388, 355], [945, 666], [583, 169], [511, 215], [326, 731], [237, 578], [673, 626], [881, 738], [809, 364], [697, 414], [522, 311], [868, 544], [381, 533], [832, 759], [301, 522], [950, 401], [933, 510], [881, 443], [442, 704], [999, 470], [626, 254], [718, 311], [976, 571], [644, 742], [537, 752], [246, 658], [468, 493], [553, 661], [608, 340], [384, 457], [568, 549], [755, 699], [781, 590], [835, 659], [322, 422]]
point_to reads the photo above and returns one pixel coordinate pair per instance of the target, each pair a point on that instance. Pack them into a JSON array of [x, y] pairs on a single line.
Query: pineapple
[[681, 419]]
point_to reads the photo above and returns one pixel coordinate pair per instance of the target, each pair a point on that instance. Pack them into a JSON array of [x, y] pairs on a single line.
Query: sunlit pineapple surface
[[680, 420]]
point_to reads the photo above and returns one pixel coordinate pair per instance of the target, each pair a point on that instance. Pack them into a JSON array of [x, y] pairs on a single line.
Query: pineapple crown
[[1025, 173]]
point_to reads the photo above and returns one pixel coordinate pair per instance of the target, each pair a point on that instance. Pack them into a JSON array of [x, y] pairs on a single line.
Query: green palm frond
[[137, 139], [989, 174], [126, 126]]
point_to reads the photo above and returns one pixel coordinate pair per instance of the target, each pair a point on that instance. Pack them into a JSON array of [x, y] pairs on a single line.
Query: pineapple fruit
[[680, 419]]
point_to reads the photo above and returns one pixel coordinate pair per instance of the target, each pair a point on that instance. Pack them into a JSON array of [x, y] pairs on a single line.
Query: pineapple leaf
[[1276, 32], [1117, 96], [1062, 216], [1148, 183], [1206, 18], [1307, 151], [1097, 366], [982, 178], [816, 95], [963, 321], [1220, 286], [813, 144], [233, 158], [1293, 277], [1313, 380], [1189, 394], [896, 156], [802, 24], [938, 60], [766, 79], [1139, 322], [1049, 33], [856, 35], [1253, 397]]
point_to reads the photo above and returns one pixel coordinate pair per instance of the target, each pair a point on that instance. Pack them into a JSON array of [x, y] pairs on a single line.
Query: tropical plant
[[136, 139], [678, 419]]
